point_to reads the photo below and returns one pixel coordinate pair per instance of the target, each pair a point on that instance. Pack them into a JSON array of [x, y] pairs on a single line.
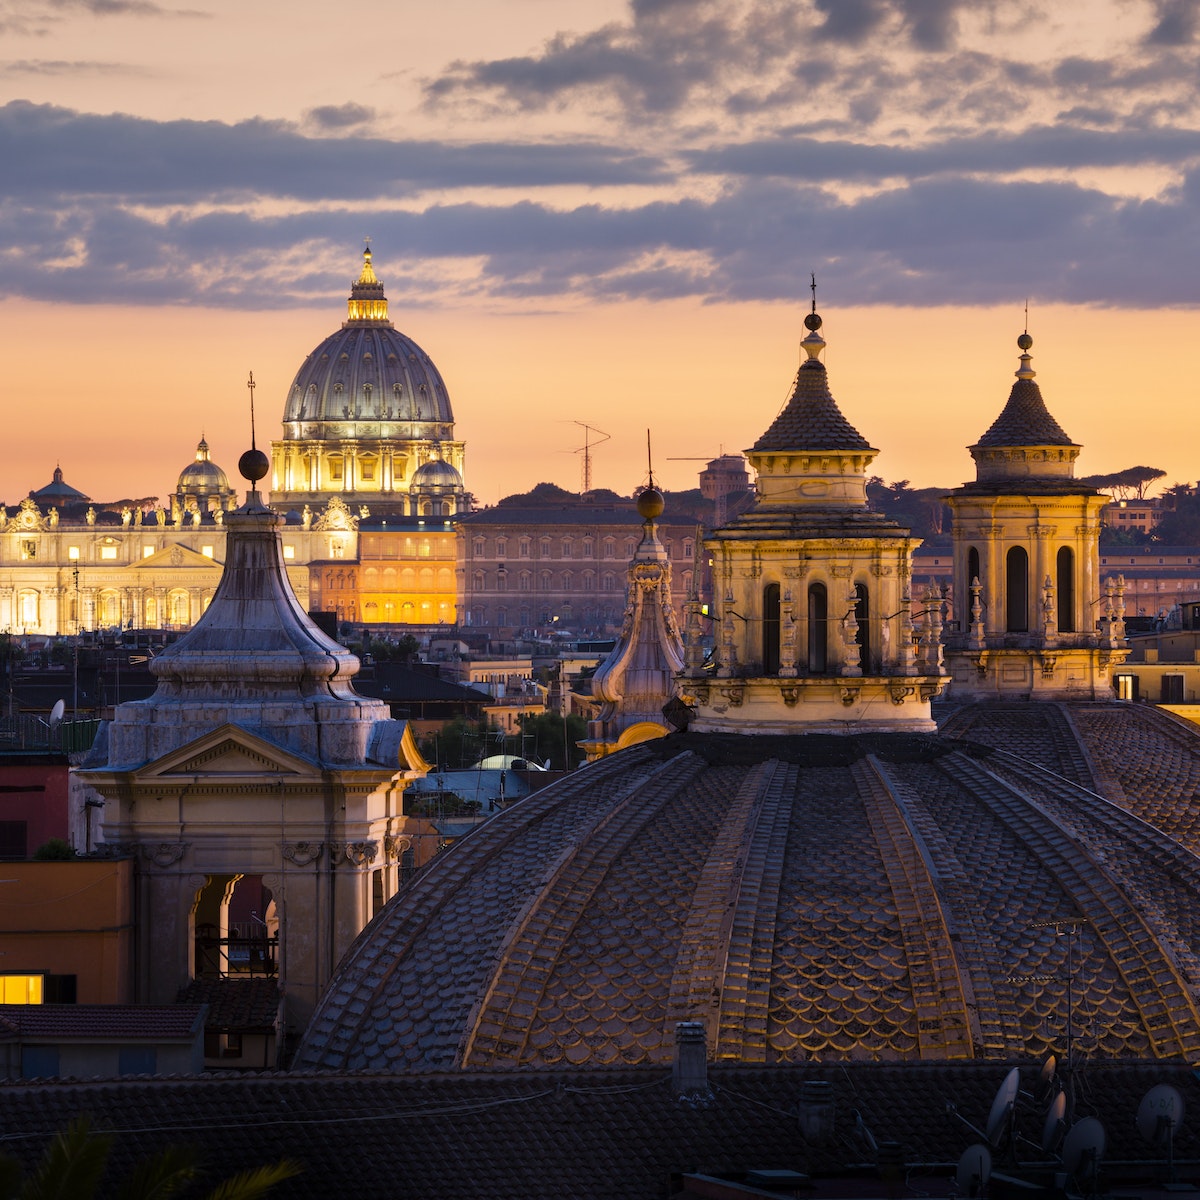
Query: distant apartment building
[[525, 567], [1140, 516]]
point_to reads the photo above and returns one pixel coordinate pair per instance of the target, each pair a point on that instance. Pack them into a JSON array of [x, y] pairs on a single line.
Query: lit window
[[21, 989], [207, 551], [29, 549], [289, 552], [73, 553], [147, 551], [108, 553]]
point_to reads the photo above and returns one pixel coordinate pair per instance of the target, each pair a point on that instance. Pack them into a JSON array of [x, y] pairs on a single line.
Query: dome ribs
[[745, 999], [946, 1024], [483, 887], [701, 975], [500, 1030], [1153, 982]]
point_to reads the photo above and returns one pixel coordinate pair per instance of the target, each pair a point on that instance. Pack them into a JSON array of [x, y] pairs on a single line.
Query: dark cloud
[[934, 242], [1176, 24], [340, 116], [1045, 147], [62, 152]]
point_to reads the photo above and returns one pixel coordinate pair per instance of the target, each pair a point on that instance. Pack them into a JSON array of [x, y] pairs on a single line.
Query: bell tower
[[814, 629], [1033, 618]]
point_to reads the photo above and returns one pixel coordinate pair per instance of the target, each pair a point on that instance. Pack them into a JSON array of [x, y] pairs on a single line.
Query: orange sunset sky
[[598, 212]]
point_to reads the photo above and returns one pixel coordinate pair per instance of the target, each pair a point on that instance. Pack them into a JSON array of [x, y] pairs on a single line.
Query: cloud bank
[[912, 152]]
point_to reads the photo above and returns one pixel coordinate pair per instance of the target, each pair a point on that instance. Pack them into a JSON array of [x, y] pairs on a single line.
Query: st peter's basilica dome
[[368, 371]]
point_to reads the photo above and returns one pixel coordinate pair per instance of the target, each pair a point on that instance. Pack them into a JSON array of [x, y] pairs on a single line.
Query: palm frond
[[161, 1177], [72, 1166], [249, 1185]]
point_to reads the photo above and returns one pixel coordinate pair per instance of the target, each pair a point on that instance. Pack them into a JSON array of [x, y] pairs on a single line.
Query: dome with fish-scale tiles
[[806, 897]]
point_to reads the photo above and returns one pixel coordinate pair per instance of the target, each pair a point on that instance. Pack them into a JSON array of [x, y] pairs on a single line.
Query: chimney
[[689, 1071]]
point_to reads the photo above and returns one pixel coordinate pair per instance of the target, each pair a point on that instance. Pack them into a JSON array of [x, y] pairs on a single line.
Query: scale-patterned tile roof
[[1025, 420], [811, 419], [805, 897], [597, 1135]]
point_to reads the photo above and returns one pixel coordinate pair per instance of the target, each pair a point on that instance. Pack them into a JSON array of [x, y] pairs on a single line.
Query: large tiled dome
[[368, 371], [889, 896]]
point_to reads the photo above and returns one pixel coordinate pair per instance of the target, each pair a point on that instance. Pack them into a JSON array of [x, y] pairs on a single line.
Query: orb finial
[[1025, 342], [254, 464], [650, 503], [814, 343]]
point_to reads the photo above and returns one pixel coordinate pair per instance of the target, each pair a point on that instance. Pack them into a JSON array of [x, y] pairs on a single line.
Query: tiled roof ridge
[[811, 419]]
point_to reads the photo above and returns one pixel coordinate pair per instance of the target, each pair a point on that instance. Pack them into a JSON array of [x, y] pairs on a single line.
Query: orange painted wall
[[70, 918]]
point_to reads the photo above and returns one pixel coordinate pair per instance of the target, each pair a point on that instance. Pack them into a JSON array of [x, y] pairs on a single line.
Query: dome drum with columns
[[366, 412]]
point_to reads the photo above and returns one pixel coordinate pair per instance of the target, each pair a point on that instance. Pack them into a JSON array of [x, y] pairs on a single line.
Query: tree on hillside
[[923, 510], [1131, 483]]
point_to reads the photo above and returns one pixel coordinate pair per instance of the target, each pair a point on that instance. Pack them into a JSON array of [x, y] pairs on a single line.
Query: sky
[[602, 213]]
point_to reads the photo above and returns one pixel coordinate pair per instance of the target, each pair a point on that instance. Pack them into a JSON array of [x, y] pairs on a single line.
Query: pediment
[[176, 557], [227, 752]]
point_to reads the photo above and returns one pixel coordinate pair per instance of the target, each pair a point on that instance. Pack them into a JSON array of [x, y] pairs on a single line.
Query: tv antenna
[[586, 450]]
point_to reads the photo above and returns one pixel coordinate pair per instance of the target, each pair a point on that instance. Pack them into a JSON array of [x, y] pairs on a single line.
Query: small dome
[[436, 473], [203, 477]]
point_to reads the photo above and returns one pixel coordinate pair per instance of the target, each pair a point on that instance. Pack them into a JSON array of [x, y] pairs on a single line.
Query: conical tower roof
[[1025, 421], [811, 419]]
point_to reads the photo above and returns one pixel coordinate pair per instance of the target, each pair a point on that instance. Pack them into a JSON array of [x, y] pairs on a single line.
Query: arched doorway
[[1016, 590]]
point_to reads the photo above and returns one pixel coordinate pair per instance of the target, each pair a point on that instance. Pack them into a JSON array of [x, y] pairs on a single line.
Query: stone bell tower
[[815, 624], [1033, 617]]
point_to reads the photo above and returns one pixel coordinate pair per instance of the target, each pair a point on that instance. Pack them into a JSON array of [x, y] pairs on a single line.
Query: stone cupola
[[814, 623]]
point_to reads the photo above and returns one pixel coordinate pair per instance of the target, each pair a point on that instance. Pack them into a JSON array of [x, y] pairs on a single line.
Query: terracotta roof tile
[[235, 1003], [81, 1022]]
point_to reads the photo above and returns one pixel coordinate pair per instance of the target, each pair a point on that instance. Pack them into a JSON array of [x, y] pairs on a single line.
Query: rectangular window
[[13, 844], [367, 469], [335, 470], [22, 989], [207, 551], [29, 549], [108, 553], [147, 551], [289, 552], [73, 553]]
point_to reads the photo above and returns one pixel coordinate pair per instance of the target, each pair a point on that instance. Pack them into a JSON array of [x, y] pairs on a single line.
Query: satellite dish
[[974, 1170], [1159, 1115], [1002, 1106], [1084, 1148], [56, 713], [1049, 1067], [1052, 1131]]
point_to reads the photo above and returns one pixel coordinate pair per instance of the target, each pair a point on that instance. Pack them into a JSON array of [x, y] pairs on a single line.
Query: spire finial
[[814, 343], [254, 464], [813, 285]]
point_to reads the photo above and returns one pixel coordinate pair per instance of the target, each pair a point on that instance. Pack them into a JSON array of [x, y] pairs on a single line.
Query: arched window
[[770, 629], [1016, 590], [862, 614], [1066, 590], [818, 612], [973, 566]]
